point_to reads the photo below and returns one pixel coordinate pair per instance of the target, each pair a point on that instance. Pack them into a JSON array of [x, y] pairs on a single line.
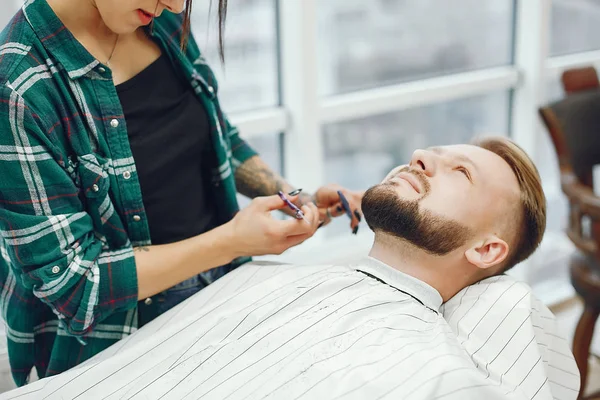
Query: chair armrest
[[581, 195]]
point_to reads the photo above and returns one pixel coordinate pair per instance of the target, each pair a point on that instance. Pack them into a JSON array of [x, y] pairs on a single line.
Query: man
[[471, 211], [452, 217]]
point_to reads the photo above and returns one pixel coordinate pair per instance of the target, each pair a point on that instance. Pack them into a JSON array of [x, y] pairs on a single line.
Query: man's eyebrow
[[461, 157]]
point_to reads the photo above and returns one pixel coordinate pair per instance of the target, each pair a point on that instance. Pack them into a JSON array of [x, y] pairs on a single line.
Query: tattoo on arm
[[141, 248], [255, 178]]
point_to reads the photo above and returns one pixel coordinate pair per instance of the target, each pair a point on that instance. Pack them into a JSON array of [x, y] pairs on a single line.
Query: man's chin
[[387, 211], [402, 192]]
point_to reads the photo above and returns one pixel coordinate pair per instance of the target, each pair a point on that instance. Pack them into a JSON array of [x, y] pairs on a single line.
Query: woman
[[119, 178]]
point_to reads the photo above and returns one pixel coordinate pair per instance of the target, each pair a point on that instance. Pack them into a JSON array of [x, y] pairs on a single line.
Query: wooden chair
[[574, 126]]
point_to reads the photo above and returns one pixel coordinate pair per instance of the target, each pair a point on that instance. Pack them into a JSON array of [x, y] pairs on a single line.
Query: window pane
[[547, 164], [575, 26], [269, 148], [365, 44], [386, 141], [249, 77]]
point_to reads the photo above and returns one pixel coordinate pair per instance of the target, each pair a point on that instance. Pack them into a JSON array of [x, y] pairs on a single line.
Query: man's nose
[[424, 161]]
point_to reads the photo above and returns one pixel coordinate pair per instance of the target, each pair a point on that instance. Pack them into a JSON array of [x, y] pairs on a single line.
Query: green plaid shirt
[[70, 202]]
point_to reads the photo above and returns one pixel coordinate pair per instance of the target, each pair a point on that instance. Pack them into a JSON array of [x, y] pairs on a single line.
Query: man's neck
[[436, 271]]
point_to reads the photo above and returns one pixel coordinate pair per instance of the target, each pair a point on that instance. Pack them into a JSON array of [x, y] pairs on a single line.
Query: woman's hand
[[330, 205], [255, 232]]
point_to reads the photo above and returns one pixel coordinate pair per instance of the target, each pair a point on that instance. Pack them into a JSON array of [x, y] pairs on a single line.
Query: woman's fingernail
[[294, 192], [357, 215], [355, 230], [340, 208]]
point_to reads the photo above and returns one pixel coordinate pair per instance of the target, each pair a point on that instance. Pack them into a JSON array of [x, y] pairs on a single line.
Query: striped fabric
[[364, 331], [70, 202]]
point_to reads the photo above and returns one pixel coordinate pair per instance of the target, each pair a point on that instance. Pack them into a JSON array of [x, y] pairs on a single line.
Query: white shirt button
[[101, 70], [55, 269], [114, 123], [211, 90], [137, 218], [95, 187], [148, 301], [126, 174]]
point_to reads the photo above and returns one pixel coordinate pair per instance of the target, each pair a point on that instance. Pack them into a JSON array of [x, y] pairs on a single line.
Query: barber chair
[[574, 126]]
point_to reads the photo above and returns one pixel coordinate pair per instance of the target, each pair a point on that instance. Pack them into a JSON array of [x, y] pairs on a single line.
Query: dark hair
[[222, 15]]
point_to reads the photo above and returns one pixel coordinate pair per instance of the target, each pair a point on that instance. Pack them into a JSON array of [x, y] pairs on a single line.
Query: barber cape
[[364, 331]]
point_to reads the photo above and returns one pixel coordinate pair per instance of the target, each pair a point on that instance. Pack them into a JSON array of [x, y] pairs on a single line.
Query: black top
[[169, 136]]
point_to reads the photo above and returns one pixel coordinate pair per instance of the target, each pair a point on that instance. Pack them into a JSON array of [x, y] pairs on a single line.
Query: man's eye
[[464, 171]]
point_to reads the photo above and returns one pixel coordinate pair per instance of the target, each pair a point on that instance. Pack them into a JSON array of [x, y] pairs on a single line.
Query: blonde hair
[[531, 221]]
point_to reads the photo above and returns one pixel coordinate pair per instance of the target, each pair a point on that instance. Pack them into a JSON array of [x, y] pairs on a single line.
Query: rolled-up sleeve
[[49, 238], [240, 149]]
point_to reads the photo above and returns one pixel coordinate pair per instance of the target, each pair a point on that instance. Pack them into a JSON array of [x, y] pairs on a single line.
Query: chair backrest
[[574, 124], [579, 79]]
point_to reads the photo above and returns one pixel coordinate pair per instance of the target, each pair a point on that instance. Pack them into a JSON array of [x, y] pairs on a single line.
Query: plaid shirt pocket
[[95, 186]]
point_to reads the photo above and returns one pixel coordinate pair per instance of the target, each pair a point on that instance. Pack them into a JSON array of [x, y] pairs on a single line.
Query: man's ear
[[489, 253]]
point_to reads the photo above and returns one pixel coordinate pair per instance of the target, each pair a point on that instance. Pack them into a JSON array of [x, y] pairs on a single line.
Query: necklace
[[93, 4], [113, 51]]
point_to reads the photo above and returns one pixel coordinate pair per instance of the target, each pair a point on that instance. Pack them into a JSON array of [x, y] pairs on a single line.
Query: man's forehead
[[470, 153], [495, 178], [456, 149], [458, 152], [488, 164]]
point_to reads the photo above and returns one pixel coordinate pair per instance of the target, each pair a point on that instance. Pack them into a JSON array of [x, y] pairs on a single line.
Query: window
[[547, 165], [365, 44], [550, 264], [360, 153], [248, 79], [269, 147], [575, 26]]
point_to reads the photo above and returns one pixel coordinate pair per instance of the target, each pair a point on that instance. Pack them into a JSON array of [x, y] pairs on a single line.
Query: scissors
[[297, 212]]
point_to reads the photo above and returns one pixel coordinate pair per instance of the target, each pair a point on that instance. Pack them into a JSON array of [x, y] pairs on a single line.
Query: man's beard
[[386, 212]]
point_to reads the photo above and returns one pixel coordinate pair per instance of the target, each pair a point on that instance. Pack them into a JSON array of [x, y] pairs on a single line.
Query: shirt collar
[[416, 288], [57, 39]]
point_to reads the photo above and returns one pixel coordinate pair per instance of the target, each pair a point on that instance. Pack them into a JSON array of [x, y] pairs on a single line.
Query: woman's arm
[[160, 267], [252, 232], [48, 235], [255, 178]]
